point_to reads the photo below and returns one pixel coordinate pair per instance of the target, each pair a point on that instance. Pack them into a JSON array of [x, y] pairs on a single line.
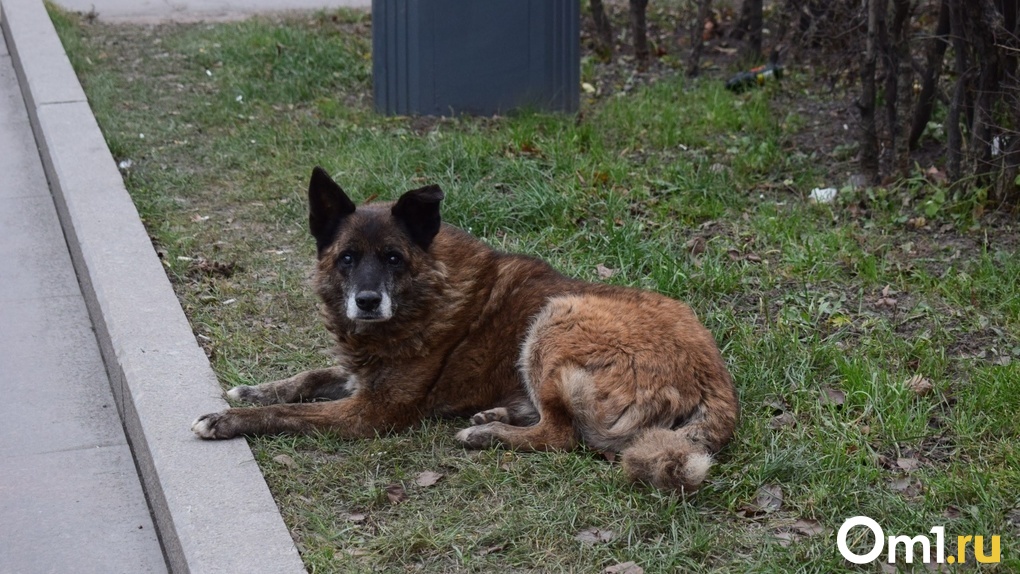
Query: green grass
[[223, 123]]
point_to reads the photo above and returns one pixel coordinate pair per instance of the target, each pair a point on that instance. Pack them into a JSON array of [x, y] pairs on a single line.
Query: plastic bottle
[[754, 77]]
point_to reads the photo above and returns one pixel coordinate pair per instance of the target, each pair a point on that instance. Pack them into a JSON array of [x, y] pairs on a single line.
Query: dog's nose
[[368, 300]]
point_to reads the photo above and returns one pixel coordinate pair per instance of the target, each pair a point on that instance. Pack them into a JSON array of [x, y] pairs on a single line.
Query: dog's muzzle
[[368, 300], [369, 305]]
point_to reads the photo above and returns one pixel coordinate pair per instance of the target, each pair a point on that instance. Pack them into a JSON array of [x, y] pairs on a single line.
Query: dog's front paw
[[476, 436], [214, 426], [496, 415]]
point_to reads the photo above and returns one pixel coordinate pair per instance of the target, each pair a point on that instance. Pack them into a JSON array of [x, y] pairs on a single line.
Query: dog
[[431, 322]]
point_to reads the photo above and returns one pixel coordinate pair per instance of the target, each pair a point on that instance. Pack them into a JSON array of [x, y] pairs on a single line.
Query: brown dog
[[429, 321]]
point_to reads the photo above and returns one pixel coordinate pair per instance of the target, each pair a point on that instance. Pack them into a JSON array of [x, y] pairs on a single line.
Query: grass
[[676, 186]]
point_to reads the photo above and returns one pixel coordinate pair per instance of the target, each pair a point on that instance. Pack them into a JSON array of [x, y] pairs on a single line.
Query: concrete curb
[[211, 505]]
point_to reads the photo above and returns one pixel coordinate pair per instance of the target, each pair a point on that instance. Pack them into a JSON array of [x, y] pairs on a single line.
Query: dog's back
[[619, 369]]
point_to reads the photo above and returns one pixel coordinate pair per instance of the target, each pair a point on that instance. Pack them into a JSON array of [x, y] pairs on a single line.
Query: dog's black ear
[[418, 210], [328, 205]]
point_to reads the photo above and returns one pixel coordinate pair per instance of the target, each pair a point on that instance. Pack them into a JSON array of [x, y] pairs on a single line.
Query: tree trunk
[[986, 26], [1007, 188], [697, 42], [954, 149], [932, 71], [603, 30], [748, 29], [898, 73], [866, 104], [639, 26]]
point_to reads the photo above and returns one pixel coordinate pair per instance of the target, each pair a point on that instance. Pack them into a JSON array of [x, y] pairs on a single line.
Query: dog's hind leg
[[510, 426], [519, 412], [333, 383], [545, 435]]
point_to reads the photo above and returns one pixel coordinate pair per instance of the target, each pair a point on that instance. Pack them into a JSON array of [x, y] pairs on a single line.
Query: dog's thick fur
[[429, 321]]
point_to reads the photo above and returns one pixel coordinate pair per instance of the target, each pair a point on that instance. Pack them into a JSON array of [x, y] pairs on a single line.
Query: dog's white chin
[[375, 319]]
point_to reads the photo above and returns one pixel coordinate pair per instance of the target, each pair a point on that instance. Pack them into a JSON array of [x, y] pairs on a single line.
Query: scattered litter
[[125, 164], [239, 99], [588, 88], [754, 77], [823, 194]]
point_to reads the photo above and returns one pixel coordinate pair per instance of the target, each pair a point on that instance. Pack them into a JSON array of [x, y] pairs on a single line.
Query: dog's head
[[368, 255]]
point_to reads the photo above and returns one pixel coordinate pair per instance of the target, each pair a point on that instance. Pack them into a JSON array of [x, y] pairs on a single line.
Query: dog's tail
[[678, 459]]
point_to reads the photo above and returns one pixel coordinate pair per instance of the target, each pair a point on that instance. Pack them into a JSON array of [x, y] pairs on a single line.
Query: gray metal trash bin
[[447, 57]]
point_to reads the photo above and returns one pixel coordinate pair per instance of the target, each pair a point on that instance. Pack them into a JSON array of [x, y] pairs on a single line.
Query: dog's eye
[[346, 259], [394, 259]]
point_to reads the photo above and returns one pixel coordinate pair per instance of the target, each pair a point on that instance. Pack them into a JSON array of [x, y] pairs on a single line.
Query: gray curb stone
[[211, 505]]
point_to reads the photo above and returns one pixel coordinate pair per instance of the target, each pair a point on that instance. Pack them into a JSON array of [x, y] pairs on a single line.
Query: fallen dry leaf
[[490, 550], [785, 539], [920, 385], [808, 527], [753, 258], [952, 512], [359, 552], [783, 420], [427, 478], [212, 268], [803, 528], [624, 568], [285, 460], [769, 497], [905, 486], [604, 272], [358, 517], [595, 536], [1013, 518], [695, 245], [936, 176], [777, 405], [396, 493], [831, 396], [908, 464]]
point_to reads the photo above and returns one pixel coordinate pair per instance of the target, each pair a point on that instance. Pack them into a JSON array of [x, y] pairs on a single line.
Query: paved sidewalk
[[70, 497], [99, 370]]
